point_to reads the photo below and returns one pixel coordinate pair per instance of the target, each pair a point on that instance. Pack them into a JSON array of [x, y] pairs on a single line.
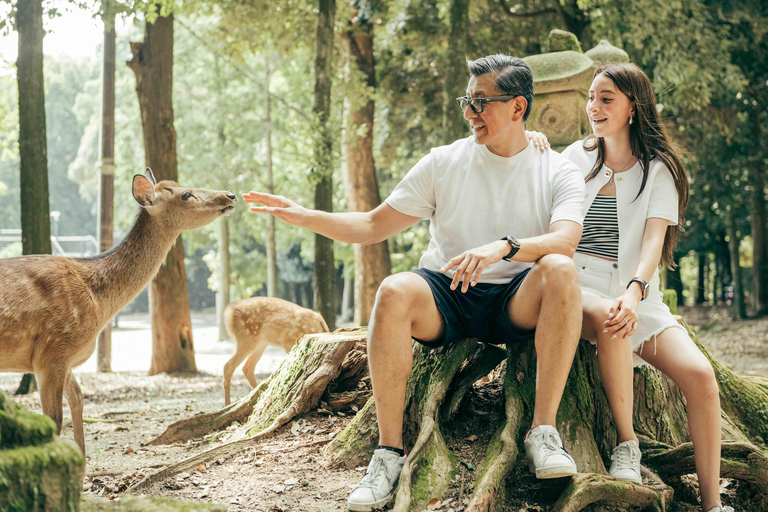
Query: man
[[489, 197]]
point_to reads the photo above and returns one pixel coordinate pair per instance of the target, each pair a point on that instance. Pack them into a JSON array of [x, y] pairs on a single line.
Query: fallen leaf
[[121, 429], [472, 438], [128, 450], [201, 468], [434, 504]]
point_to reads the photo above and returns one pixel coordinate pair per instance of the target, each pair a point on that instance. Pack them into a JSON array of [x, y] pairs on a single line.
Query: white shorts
[[600, 278]]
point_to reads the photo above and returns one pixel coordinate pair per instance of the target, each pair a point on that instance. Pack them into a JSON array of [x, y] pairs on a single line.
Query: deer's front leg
[[75, 401], [51, 382]]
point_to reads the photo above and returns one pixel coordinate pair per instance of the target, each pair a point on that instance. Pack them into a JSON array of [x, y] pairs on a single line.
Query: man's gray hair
[[513, 76]]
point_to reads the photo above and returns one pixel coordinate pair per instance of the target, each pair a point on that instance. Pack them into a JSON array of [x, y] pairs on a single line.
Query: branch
[[241, 70], [508, 11]]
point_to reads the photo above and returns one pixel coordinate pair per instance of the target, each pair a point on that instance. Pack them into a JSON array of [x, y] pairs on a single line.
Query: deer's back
[[46, 311], [267, 319]]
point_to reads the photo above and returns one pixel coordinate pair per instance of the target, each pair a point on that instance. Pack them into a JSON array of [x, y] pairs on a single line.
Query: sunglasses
[[477, 104]]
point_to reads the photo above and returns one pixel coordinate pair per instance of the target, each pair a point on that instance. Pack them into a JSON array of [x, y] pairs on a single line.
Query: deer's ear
[[150, 176], [143, 191]]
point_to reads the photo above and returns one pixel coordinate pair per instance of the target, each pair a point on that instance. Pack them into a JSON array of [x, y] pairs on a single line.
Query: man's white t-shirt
[[473, 197]]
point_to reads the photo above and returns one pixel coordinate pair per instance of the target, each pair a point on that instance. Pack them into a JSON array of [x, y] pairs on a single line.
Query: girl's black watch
[[514, 247], [643, 286]]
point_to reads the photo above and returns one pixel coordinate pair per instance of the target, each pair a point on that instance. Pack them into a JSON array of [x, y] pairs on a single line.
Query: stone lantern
[[561, 80]]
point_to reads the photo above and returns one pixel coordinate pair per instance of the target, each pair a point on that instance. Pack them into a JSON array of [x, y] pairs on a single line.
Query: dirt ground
[[288, 472]]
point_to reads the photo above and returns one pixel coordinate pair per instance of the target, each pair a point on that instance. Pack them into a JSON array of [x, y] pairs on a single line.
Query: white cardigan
[[659, 199]]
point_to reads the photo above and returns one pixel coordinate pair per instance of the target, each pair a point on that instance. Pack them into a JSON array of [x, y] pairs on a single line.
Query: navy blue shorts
[[481, 312]]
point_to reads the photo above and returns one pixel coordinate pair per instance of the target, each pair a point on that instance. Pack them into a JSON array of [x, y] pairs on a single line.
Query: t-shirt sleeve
[[664, 200], [415, 194], [568, 195]]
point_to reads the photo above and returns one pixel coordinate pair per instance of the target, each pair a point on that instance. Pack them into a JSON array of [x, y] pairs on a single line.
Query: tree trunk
[[222, 298], [152, 63], [454, 124], [675, 280], [325, 272], [33, 152], [760, 249], [446, 388], [701, 290], [270, 238], [372, 263], [739, 307], [107, 165]]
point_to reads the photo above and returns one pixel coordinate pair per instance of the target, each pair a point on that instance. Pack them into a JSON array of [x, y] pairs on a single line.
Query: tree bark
[[739, 307], [675, 280], [270, 238], [325, 273], [372, 263], [33, 152], [152, 63], [760, 249], [107, 165], [701, 289], [222, 298], [454, 125]]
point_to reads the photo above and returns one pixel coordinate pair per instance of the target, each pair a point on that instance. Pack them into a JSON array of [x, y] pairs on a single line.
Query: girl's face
[[608, 108]]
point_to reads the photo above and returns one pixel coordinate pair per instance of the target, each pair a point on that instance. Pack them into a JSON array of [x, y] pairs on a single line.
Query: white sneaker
[[546, 455], [378, 484], [626, 462], [720, 508]]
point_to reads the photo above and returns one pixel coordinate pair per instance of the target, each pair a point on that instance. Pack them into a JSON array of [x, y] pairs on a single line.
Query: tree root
[[588, 488], [203, 424], [739, 461], [430, 464], [502, 450], [482, 361]]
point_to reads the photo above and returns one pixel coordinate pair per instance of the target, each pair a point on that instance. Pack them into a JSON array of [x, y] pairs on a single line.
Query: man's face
[[494, 126]]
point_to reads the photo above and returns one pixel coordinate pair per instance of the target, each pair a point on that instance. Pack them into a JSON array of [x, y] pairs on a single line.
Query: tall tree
[[33, 152], [372, 262], [152, 63], [107, 166], [454, 126], [271, 247], [325, 271]]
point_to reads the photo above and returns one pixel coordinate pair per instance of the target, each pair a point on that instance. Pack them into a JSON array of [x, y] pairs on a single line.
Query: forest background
[[243, 73]]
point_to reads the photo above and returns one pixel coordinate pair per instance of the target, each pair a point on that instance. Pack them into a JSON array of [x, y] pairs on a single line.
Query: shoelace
[[373, 476], [625, 455], [552, 444]]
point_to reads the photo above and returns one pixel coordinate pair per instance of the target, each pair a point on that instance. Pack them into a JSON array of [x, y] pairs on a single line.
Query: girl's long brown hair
[[648, 139]]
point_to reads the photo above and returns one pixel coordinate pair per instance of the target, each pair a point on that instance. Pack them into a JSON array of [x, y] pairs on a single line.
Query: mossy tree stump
[[38, 470], [439, 385]]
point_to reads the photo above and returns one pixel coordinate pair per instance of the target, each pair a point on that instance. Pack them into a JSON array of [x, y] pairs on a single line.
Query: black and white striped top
[[601, 229]]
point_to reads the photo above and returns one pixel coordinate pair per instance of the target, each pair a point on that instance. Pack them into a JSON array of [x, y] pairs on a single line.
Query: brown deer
[[261, 321], [52, 308]]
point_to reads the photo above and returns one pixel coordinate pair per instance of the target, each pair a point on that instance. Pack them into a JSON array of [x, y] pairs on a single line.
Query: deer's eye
[[186, 196]]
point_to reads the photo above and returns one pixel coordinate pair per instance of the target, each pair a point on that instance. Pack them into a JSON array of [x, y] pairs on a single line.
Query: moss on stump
[[146, 504], [38, 471]]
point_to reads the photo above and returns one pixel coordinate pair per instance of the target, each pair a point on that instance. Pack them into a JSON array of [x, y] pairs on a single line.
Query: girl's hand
[[622, 317], [539, 140], [472, 263], [277, 206]]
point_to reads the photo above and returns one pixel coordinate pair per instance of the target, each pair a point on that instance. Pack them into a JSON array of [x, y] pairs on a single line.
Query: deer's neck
[[120, 274]]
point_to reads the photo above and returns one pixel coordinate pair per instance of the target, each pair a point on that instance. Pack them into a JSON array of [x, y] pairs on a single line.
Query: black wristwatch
[[514, 246], [642, 283]]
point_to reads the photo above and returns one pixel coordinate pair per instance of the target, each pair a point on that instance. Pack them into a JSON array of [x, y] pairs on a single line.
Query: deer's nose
[[232, 196]]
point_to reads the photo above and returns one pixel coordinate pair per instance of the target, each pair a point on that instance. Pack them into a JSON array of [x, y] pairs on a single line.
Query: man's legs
[[549, 300], [404, 308]]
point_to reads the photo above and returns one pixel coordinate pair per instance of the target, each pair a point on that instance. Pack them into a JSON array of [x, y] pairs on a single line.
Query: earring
[[630, 118]]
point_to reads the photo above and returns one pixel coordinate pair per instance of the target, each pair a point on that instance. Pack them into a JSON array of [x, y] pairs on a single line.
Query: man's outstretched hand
[[278, 206]]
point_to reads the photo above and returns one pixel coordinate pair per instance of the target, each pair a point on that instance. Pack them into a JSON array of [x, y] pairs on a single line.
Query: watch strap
[[514, 246]]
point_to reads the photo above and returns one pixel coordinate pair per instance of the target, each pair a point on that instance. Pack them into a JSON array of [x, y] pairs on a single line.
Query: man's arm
[[563, 238], [351, 227]]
